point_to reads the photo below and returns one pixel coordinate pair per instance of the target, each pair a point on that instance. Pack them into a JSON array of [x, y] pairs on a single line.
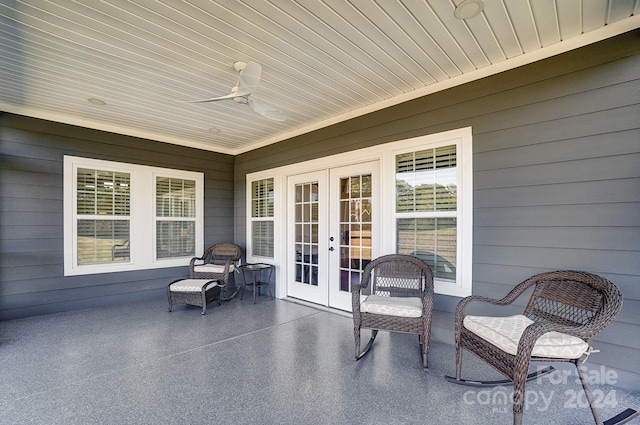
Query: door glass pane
[[306, 237], [355, 228]]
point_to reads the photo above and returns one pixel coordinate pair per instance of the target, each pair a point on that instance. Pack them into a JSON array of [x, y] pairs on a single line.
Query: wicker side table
[[253, 274]]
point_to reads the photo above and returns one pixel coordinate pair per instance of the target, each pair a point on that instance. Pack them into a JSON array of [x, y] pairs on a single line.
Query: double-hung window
[[262, 220], [426, 208], [432, 210], [175, 217], [103, 215], [120, 216]]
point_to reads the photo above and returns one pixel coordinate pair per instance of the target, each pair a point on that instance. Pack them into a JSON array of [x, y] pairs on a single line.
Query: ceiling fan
[[241, 93]]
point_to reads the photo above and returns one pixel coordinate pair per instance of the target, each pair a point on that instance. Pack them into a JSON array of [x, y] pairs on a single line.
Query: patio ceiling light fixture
[[469, 9], [96, 101]]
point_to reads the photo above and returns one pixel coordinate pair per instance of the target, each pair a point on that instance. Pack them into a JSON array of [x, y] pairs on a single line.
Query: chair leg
[[587, 393], [458, 361], [619, 419], [359, 355], [424, 348], [519, 380], [356, 335], [517, 418]]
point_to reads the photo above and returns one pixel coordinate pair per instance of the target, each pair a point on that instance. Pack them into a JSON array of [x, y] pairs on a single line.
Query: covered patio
[[275, 362]]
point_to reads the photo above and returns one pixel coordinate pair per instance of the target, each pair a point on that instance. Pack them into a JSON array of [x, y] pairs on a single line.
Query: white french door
[[307, 240], [332, 232]]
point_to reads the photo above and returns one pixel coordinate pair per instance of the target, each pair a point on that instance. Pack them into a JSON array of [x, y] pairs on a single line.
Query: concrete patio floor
[[275, 362]]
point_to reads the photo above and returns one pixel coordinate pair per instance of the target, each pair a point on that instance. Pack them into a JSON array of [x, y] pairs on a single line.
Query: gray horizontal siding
[[32, 277], [556, 175]]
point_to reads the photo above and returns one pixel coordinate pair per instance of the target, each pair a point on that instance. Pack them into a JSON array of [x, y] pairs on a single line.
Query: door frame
[[327, 292]]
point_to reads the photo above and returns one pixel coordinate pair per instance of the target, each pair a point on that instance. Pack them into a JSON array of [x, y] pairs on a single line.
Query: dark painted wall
[[31, 229], [556, 175]]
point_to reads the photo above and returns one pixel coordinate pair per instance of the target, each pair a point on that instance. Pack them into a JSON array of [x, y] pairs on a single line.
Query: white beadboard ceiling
[[324, 61]]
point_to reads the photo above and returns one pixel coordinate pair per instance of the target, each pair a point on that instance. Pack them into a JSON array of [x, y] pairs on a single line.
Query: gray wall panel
[[538, 173], [31, 230], [597, 124], [556, 173], [612, 214], [577, 258], [580, 193], [602, 237], [563, 150], [630, 311]]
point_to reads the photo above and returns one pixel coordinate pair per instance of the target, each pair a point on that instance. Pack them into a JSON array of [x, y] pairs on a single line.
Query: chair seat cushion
[[211, 268], [191, 285], [505, 333], [392, 306]]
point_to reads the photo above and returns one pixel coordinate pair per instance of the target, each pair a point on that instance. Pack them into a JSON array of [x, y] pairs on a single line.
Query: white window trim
[[277, 222], [252, 219], [464, 213], [385, 153], [142, 216]]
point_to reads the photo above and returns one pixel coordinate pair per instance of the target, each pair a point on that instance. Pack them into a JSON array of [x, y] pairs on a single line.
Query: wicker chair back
[[403, 279], [574, 298]]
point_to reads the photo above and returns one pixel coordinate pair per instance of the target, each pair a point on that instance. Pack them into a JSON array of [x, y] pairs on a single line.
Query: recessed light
[[469, 9], [214, 130], [96, 101]]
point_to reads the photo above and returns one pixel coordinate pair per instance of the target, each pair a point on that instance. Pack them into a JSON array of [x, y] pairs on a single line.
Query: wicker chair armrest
[[357, 288], [355, 298], [193, 260], [464, 303], [536, 330], [227, 266], [506, 300], [427, 303]]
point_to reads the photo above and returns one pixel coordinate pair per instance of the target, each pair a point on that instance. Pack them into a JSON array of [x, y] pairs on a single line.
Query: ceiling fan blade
[[249, 78], [247, 83], [267, 111], [215, 99]]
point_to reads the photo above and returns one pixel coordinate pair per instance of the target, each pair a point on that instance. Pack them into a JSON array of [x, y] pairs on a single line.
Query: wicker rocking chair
[[565, 311], [218, 262], [399, 298]]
